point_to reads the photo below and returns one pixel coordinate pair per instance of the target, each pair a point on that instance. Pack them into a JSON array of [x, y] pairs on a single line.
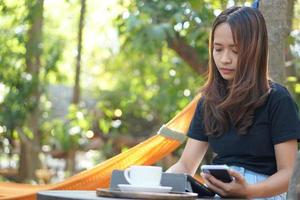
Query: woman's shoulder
[[200, 101], [278, 91]]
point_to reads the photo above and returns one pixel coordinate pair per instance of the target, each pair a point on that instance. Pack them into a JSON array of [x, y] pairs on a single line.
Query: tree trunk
[[294, 186], [275, 13], [76, 91], [70, 162], [289, 58], [70, 166], [29, 160]]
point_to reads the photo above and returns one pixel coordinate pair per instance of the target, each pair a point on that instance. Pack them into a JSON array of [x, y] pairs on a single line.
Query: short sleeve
[[285, 123], [196, 129]]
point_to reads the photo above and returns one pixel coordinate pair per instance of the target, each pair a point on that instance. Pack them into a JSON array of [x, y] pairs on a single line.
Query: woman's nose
[[225, 58]]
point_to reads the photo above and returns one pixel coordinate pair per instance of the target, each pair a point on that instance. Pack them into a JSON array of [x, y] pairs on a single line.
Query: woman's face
[[225, 51]]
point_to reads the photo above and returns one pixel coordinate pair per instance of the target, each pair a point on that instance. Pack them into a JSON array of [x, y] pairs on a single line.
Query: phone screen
[[221, 174]]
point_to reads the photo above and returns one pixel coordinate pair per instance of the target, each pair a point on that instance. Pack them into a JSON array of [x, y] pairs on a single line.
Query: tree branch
[[188, 53]]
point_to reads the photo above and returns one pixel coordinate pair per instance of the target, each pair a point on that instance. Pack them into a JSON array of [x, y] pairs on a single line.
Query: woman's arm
[[285, 153], [191, 157], [276, 184]]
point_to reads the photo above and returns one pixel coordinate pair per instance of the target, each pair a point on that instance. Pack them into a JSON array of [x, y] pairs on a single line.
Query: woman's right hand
[[191, 157]]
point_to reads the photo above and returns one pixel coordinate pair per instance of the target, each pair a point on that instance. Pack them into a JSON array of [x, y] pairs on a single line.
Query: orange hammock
[[169, 137]]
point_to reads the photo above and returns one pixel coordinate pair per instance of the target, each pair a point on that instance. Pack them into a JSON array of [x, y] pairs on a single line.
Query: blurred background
[[83, 80]]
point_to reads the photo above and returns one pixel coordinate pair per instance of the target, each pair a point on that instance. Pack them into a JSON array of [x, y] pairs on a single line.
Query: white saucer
[[136, 188]]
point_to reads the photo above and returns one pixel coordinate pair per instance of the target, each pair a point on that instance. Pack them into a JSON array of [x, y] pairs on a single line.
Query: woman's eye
[[235, 51], [218, 50]]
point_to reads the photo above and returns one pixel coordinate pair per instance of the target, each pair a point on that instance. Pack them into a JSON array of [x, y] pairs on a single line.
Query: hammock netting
[[169, 137]]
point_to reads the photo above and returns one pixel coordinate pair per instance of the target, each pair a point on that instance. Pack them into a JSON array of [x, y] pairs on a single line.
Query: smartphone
[[199, 188], [218, 171]]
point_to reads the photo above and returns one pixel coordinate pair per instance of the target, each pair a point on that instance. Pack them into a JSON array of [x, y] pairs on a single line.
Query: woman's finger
[[211, 186]]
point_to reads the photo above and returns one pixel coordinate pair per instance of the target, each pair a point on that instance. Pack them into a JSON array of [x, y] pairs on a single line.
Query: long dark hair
[[236, 103]]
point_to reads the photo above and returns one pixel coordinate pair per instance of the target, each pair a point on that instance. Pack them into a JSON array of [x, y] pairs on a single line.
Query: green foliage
[[70, 134], [150, 93], [18, 83], [146, 26], [137, 82]]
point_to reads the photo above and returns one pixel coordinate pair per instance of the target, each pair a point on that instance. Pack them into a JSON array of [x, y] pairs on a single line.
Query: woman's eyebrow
[[219, 44], [215, 43]]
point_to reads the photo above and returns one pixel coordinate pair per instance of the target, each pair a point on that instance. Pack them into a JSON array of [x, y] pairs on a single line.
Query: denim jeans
[[253, 177]]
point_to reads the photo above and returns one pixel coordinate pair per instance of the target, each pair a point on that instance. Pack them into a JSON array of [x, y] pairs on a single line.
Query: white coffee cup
[[143, 175]]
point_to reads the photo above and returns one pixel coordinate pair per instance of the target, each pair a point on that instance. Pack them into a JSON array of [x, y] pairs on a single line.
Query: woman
[[251, 123]]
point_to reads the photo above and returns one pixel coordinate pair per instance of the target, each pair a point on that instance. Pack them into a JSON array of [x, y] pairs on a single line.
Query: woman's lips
[[226, 70]]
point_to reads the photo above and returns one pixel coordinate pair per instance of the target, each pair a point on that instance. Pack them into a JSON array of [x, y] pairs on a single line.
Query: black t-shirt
[[274, 122]]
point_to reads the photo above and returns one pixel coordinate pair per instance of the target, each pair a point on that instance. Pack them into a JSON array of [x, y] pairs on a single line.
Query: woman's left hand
[[236, 188]]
